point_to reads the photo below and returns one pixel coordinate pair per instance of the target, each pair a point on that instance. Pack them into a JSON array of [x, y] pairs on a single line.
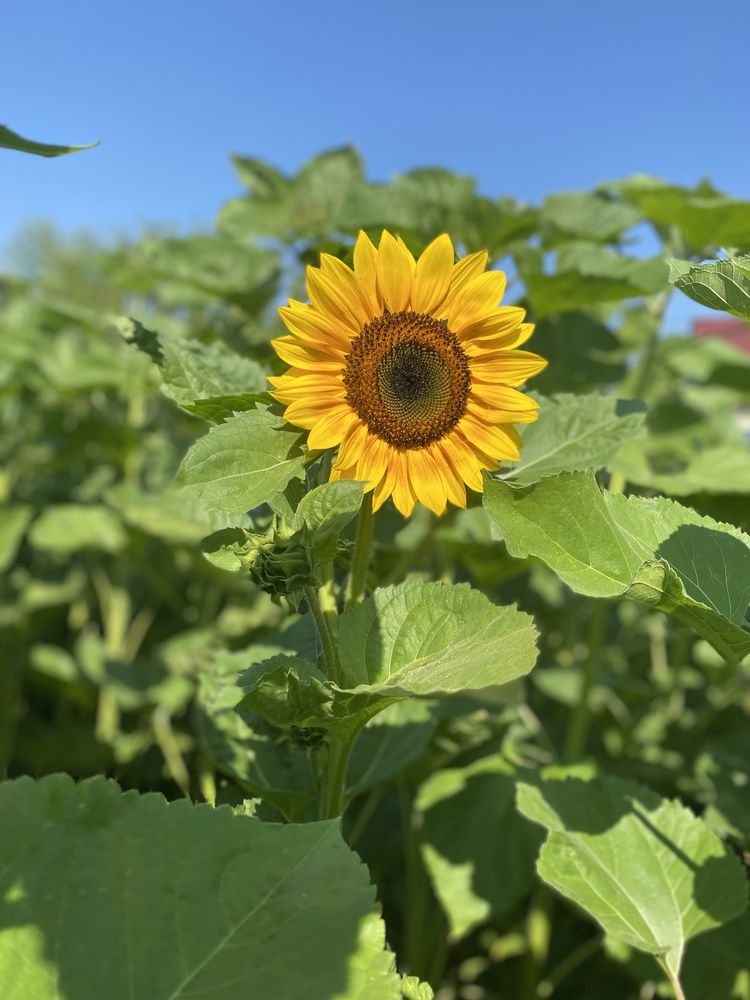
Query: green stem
[[333, 795], [327, 641], [167, 742], [361, 556], [538, 932], [580, 719], [569, 964], [674, 980]]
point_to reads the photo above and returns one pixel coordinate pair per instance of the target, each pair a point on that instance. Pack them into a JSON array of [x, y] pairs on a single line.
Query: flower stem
[[327, 640], [333, 794], [361, 557], [579, 721]]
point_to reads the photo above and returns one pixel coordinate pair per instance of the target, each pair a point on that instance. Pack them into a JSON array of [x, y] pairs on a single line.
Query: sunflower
[[409, 368]]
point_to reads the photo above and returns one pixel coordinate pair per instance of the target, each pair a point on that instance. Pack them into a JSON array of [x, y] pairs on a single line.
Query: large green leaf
[[120, 895], [478, 851], [583, 354], [647, 869], [416, 639], [430, 638], [722, 469], [655, 551], [575, 432], [11, 140], [719, 284], [208, 380], [588, 215], [587, 274], [243, 462]]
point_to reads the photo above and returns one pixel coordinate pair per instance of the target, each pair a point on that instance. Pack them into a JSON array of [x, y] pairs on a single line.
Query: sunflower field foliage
[[391, 643]]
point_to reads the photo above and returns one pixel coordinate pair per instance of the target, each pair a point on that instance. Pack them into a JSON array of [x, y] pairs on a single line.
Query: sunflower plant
[[354, 650]]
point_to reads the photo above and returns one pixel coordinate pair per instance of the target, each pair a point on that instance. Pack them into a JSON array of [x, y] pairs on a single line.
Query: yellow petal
[[331, 428], [499, 323], [349, 287], [352, 445], [467, 268], [385, 487], [295, 353], [373, 461], [330, 297], [394, 272], [508, 367], [366, 270], [496, 441], [403, 495], [452, 481], [463, 459], [425, 480], [480, 297], [487, 404], [315, 328], [432, 275]]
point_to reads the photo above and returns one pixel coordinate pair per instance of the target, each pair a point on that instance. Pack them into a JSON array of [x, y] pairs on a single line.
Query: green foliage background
[[138, 647]]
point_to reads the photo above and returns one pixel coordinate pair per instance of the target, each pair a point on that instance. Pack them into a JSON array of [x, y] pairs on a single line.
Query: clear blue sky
[[529, 97]]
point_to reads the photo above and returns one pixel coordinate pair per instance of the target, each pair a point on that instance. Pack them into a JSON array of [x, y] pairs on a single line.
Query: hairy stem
[[327, 640], [361, 557], [333, 793]]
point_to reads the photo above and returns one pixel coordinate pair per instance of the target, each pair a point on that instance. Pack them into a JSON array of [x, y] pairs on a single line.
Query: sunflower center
[[407, 378]]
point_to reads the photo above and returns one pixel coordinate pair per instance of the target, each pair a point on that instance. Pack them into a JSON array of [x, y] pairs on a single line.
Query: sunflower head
[[408, 367]]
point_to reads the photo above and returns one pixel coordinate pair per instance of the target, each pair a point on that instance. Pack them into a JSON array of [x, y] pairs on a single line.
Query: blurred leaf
[[706, 217], [14, 521], [720, 284], [389, 743], [169, 515], [179, 899], [655, 551], [478, 851], [587, 274], [589, 215], [583, 354], [66, 528], [11, 140], [242, 463], [217, 266], [575, 432], [721, 469], [648, 870]]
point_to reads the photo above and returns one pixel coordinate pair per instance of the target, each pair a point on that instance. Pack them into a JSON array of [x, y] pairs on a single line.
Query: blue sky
[[529, 97]]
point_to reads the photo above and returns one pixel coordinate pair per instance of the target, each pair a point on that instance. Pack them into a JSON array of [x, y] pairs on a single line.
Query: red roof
[[727, 328]]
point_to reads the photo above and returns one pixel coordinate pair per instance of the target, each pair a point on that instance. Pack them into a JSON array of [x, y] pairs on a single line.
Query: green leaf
[[389, 743], [576, 432], [432, 638], [706, 217], [243, 462], [11, 140], [215, 266], [589, 215], [719, 284], [583, 354], [648, 870], [478, 851], [70, 527], [655, 551], [173, 900], [288, 691], [259, 757], [326, 511], [169, 515], [721, 469], [587, 274], [14, 521], [206, 380]]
